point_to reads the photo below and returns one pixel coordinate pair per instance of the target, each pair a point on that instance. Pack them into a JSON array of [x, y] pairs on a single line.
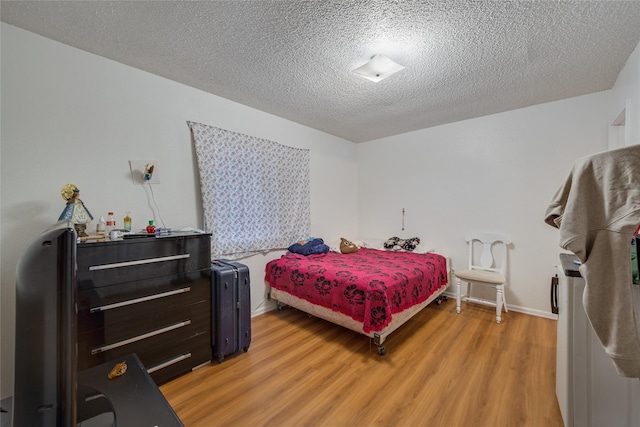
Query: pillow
[[422, 248], [377, 243], [334, 246], [391, 242], [398, 244], [409, 244], [372, 243], [347, 247]]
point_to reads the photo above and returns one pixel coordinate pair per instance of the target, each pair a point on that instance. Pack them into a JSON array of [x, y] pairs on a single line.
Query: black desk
[[134, 397]]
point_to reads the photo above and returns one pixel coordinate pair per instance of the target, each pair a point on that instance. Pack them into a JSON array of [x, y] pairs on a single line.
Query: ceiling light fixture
[[378, 68]]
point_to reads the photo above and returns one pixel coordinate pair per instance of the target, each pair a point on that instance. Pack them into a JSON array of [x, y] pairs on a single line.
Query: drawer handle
[[138, 262], [137, 300], [140, 337], [169, 362]]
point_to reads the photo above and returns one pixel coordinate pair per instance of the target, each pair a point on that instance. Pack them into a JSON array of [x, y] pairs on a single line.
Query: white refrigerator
[[590, 392]]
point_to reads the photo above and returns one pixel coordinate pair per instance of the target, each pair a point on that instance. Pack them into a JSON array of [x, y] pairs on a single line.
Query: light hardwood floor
[[441, 369]]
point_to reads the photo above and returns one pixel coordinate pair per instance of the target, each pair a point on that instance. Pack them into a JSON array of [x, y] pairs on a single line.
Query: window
[[255, 192]]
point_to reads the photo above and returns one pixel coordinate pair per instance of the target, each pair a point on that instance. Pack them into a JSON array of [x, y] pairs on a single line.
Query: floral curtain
[[255, 192]]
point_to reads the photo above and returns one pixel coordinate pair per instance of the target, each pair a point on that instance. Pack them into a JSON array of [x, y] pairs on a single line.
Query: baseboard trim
[[269, 305], [520, 309]]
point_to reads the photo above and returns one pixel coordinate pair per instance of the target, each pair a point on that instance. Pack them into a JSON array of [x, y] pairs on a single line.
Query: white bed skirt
[[345, 321]]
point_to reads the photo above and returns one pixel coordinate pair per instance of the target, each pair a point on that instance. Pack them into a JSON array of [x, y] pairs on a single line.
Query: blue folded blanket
[[313, 246]]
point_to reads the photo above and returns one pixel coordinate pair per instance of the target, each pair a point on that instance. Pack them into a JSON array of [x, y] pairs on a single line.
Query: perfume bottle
[[151, 229], [101, 227], [127, 222]]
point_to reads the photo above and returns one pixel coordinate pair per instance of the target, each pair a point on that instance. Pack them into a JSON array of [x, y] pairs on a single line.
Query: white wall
[[626, 96], [494, 173], [72, 117]]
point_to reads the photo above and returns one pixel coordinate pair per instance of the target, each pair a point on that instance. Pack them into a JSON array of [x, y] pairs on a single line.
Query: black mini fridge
[[231, 310]]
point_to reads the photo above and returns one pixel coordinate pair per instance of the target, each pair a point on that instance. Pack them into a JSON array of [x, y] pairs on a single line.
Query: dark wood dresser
[[150, 296]]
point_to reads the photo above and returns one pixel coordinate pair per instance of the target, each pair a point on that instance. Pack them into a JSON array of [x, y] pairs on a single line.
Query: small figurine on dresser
[[75, 209]]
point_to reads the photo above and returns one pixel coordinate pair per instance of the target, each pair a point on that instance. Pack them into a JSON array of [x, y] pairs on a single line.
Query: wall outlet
[[143, 171]]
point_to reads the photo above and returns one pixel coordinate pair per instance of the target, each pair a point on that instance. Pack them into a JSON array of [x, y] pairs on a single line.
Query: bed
[[371, 291]]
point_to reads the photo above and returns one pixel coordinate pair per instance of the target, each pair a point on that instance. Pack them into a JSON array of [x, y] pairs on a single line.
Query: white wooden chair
[[485, 269]]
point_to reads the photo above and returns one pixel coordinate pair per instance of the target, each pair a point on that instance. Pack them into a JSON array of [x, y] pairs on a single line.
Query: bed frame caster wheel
[[382, 351], [279, 306], [440, 299]]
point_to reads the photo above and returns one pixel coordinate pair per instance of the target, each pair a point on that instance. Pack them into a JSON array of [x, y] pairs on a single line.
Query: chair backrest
[[488, 251]]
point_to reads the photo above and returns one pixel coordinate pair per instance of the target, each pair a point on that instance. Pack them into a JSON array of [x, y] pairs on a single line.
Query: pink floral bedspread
[[369, 285]]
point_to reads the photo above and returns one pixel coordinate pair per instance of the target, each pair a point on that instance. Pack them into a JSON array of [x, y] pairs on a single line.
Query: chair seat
[[481, 276]]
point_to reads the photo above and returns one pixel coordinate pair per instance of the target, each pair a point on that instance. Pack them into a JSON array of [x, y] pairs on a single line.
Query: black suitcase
[[231, 310]]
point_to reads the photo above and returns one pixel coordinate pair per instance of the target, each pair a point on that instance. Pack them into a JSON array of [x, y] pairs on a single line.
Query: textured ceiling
[[294, 59]]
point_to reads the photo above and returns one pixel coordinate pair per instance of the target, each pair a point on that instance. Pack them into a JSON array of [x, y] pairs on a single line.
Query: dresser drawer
[[108, 263], [170, 360], [156, 331], [176, 358], [140, 301]]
